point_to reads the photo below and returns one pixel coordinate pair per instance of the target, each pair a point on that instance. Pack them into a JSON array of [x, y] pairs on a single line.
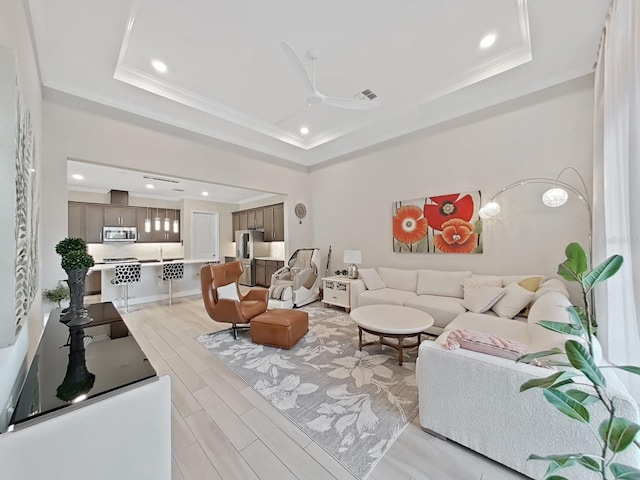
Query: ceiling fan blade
[[298, 66], [350, 103]]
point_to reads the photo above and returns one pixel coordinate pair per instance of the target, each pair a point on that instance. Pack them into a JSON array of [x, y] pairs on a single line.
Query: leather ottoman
[[279, 327]]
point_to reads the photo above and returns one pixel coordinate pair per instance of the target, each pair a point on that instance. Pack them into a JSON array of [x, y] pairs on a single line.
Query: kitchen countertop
[[147, 263]]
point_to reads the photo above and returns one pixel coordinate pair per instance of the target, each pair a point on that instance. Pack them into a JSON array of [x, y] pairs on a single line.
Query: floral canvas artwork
[[439, 224]]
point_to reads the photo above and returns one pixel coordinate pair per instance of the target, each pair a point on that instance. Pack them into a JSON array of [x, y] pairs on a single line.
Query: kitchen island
[[151, 288]]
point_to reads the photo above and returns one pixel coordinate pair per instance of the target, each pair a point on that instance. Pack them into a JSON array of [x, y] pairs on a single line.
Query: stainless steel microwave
[[119, 234]]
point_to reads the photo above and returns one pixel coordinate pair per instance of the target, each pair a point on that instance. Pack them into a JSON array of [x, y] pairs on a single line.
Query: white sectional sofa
[[439, 293], [473, 398]]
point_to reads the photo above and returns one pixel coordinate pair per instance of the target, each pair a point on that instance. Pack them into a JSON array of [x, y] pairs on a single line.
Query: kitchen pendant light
[[167, 221], [156, 222], [176, 223], [147, 222]]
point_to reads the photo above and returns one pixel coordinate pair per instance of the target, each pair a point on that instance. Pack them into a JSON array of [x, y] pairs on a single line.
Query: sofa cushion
[[481, 299], [482, 281], [399, 279], [515, 298], [507, 279], [446, 284], [501, 327], [371, 279], [442, 309], [384, 296]]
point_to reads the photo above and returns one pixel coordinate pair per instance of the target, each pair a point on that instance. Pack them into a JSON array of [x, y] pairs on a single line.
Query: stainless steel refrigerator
[[249, 245]]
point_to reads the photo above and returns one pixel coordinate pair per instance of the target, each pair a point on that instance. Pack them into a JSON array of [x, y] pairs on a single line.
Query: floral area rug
[[353, 404]]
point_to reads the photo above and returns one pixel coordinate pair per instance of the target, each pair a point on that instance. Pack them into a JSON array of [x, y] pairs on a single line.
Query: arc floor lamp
[[553, 197]]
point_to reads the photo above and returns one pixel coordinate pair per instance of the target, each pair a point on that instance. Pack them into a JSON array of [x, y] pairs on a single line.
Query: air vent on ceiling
[[178, 189], [160, 179], [365, 94]]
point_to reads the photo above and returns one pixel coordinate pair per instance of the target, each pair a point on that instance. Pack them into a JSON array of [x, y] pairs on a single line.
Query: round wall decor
[[301, 211]]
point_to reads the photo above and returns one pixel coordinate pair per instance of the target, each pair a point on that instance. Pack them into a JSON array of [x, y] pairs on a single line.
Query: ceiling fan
[[314, 96]]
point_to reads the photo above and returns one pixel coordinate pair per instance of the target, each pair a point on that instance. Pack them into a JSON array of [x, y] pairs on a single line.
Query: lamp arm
[[548, 181], [584, 185]]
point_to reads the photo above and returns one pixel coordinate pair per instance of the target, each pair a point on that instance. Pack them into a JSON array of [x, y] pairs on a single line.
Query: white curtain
[[617, 185]]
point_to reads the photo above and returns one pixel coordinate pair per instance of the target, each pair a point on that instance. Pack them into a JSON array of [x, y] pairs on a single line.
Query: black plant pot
[[77, 314]]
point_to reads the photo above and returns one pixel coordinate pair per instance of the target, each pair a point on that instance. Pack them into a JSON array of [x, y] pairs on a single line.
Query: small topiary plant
[[76, 259], [57, 294], [68, 245]]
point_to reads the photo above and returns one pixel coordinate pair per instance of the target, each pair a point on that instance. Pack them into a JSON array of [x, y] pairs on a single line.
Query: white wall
[[534, 136], [14, 33], [112, 139]]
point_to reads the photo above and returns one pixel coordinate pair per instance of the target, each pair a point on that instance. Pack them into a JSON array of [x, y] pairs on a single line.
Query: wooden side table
[[337, 291]]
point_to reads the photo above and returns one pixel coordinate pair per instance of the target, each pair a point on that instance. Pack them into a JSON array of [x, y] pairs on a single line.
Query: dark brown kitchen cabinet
[[265, 269], [235, 222], [164, 235], [85, 221], [143, 214], [272, 267], [255, 219], [261, 273], [244, 220], [76, 220], [115, 216], [94, 215], [274, 223], [278, 223]]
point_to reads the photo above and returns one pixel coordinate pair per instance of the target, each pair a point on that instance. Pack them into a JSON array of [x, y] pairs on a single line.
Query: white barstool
[[170, 272], [126, 274]]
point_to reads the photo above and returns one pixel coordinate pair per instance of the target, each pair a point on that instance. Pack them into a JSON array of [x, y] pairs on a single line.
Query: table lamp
[[352, 257]]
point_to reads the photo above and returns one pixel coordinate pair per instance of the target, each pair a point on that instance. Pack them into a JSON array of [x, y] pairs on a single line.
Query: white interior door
[[204, 235]]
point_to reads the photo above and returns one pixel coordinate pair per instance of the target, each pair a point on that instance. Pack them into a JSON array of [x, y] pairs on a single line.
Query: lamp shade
[[555, 197], [352, 256], [491, 209]]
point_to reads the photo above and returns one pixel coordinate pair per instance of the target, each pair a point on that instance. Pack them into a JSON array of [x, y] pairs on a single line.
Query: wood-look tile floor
[[223, 429]]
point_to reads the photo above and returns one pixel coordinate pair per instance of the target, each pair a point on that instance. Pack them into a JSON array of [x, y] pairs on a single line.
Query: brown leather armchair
[[229, 310]]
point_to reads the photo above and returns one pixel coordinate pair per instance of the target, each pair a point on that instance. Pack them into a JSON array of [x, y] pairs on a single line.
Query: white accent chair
[[297, 283]]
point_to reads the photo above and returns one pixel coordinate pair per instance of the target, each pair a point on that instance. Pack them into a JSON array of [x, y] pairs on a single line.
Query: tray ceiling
[[227, 75]]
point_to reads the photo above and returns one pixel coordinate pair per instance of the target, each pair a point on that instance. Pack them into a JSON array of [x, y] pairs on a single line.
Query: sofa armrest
[[474, 399], [357, 287]]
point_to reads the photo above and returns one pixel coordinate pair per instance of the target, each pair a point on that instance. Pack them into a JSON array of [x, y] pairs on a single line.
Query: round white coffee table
[[391, 321]]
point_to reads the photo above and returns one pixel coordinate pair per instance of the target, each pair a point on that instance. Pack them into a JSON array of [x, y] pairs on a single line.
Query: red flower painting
[[446, 207], [457, 237], [409, 226]]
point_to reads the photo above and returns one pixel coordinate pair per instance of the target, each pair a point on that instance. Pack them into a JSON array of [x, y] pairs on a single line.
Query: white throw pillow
[[228, 291], [444, 284], [481, 299], [399, 279], [371, 279], [482, 281], [515, 298]]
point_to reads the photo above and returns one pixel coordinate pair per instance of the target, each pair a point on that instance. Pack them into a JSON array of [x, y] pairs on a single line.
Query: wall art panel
[[439, 224]]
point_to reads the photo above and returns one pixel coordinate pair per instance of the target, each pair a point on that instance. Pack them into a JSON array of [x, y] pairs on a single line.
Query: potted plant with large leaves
[[76, 261], [615, 434]]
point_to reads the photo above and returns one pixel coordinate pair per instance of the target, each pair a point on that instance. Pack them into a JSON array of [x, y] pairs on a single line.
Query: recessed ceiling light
[[77, 176], [32, 170], [149, 185], [488, 40], [159, 66], [204, 194], [304, 130]]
